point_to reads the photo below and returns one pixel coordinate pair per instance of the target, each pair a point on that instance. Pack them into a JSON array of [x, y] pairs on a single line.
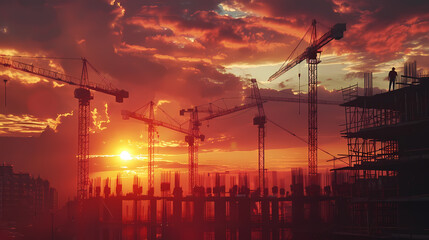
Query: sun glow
[[125, 156]]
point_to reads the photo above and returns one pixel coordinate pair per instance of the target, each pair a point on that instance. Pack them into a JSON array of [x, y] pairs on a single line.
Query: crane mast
[[83, 94], [193, 144], [312, 61], [193, 147], [150, 150], [260, 121], [311, 55]]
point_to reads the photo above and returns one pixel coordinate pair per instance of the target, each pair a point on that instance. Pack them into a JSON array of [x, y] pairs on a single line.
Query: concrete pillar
[[136, 220], [199, 217], [152, 225], [275, 218], [244, 224], [265, 205], [233, 213], [220, 219]]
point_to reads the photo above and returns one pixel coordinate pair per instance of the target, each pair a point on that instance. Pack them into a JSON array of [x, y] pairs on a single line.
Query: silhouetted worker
[[392, 78]]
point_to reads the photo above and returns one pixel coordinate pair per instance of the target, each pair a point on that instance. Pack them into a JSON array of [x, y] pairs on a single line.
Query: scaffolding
[[368, 178], [361, 116], [388, 150]]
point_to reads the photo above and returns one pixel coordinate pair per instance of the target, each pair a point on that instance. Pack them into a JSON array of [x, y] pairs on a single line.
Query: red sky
[[189, 53]]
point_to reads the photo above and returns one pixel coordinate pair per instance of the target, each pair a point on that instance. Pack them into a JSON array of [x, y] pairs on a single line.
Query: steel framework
[[362, 151], [312, 119], [84, 97]]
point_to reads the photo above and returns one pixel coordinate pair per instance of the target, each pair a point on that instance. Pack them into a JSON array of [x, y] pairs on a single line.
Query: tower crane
[[194, 126], [152, 123], [261, 124], [84, 96], [312, 55], [260, 121]]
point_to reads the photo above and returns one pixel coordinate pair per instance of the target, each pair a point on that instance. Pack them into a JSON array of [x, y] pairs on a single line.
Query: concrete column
[[220, 219], [275, 218], [244, 224], [265, 205], [152, 225]]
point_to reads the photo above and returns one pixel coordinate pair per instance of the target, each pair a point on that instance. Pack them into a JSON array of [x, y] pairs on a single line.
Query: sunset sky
[[182, 54]]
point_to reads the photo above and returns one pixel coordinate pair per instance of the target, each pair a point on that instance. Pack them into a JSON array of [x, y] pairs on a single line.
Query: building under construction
[[383, 193]]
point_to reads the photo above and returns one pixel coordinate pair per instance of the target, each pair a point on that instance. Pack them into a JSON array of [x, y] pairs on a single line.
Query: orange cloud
[[22, 77], [133, 49], [99, 123], [28, 125]]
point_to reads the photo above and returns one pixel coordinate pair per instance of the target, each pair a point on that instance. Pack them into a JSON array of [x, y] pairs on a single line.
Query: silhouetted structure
[[383, 192], [219, 211], [24, 200]]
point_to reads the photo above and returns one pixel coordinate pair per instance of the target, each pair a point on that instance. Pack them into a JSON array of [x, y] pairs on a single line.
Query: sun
[[125, 156]]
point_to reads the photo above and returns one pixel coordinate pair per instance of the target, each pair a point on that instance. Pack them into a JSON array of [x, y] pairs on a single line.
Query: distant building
[[23, 197]]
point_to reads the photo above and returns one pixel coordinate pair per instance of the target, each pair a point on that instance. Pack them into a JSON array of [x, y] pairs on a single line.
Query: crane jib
[[128, 114], [336, 32], [61, 77]]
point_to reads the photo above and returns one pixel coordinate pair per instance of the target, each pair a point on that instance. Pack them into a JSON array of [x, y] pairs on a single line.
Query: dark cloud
[[32, 22], [353, 75], [37, 99], [300, 11]]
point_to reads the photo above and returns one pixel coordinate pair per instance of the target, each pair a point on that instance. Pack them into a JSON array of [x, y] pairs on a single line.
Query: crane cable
[[300, 138], [144, 106], [293, 51], [222, 100], [168, 115], [101, 76]]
